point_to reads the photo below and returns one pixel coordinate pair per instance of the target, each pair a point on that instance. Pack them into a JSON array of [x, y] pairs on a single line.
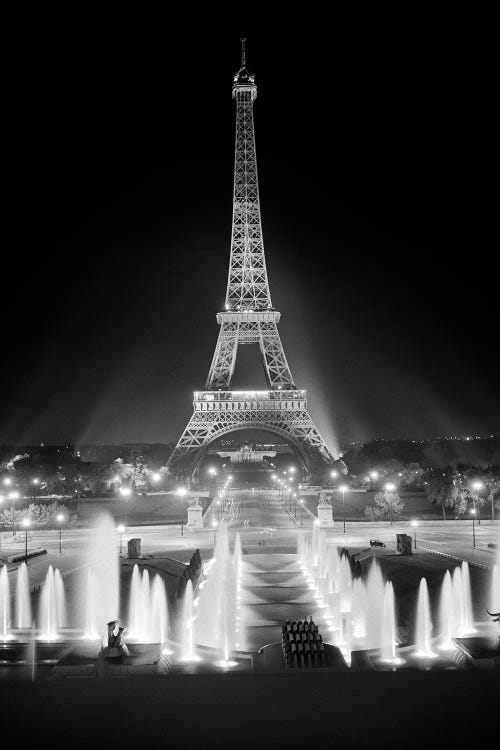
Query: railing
[[270, 395]]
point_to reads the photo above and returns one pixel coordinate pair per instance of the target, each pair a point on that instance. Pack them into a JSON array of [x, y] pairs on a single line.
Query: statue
[[115, 647], [495, 615]]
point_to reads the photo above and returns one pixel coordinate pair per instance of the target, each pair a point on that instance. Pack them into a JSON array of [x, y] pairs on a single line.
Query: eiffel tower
[[249, 317]]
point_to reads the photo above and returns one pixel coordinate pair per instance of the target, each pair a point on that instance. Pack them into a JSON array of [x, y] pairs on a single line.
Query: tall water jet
[[23, 604], [134, 618], [494, 603], [375, 594], [102, 556], [446, 618], [188, 650], [423, 629], [359, 609], [52, 606], [91, 630], [468, 623], [4, 604], [159, 613], [458, 607], [389, 627]]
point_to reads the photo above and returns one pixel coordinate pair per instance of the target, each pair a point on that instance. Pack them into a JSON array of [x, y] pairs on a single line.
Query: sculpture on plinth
[[115, 647]]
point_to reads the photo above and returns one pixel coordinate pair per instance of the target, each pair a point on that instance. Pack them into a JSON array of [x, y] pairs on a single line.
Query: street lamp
[[214, 526], [343, 488], [477, 486], [26, 523], [473, 514], [126, 492], [60, 518], [35, 482], [181, 491], [374, 475], [7, 481], [13, 496], [121, 530], [156, 476], [334, 474], [414, 524]]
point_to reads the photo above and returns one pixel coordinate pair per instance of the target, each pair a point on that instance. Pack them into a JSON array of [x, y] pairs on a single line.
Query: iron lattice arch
[[199, 435], [248, 318]]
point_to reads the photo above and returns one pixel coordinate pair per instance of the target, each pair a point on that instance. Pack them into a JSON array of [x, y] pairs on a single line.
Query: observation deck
[[271, 400], [248, 316]]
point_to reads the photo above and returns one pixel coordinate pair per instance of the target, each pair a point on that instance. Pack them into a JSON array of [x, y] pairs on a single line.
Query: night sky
[[374, 159]]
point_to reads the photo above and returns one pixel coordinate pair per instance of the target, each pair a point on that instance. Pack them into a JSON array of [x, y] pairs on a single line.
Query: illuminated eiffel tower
[[248, 318]]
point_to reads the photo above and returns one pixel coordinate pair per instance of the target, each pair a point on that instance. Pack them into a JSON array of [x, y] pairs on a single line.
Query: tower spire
[[243, 53]]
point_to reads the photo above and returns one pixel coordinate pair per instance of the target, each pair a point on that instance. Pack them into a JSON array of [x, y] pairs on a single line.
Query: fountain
[[389, 628], [468, 617], [23, 604], [188, 650], [91, 631], [159, 614], [52, 606], [446, 614], [5, 633], [375, 597], [102, 586], [423, 630]]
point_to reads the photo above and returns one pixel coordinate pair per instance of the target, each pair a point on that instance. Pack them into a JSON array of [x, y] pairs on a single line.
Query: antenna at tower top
[[243, 54]]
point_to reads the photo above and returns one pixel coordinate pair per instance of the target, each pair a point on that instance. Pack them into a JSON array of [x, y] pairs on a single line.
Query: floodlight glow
[[26, 522], [35, 481], [414, 523], [334, 474], [156, 476], [390, 487], [7, 481], [374, 474], [344, 488], [125, 491], [14, 495], [120, 528], [181, 491], [477, 485], [60, 518]]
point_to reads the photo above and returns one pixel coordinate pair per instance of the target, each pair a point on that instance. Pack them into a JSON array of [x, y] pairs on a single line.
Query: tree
[[388, 505], [493, 485]]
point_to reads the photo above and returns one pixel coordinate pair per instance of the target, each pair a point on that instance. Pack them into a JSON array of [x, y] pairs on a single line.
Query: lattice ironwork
[[249, 318]]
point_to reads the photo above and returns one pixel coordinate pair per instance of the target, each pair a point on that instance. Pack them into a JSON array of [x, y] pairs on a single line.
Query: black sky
[[374, 154]]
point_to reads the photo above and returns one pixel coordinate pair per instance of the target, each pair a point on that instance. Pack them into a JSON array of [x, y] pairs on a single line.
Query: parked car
[[376, 543]]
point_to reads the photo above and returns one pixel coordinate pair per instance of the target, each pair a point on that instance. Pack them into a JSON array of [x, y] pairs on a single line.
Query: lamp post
[[60, 520], [1, 503], [121, 529], [414, 524], [473, 514], [35, 482], [343, 488], [126, 492], [214, 525], [13, 496], [301, 501], [26, 523], [477, 486]]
